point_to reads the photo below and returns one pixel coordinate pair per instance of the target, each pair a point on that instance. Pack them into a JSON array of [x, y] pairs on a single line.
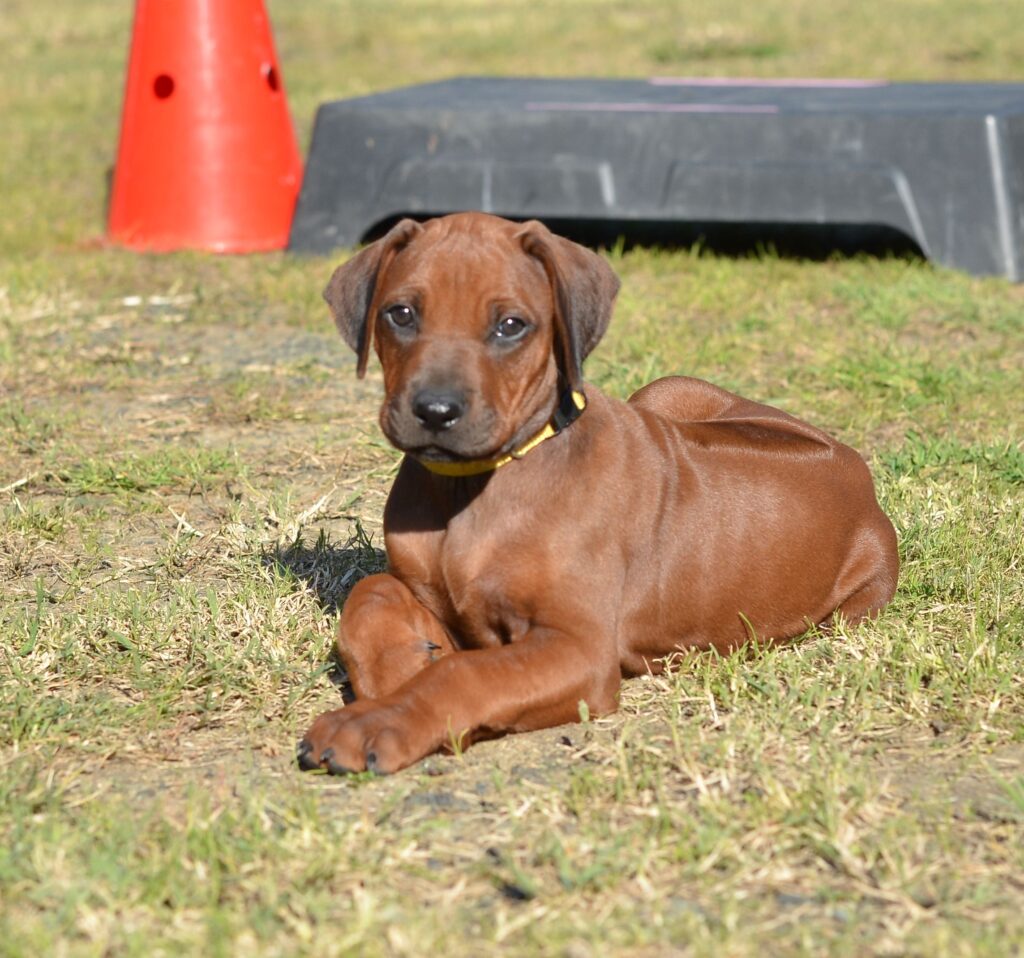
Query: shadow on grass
[[330, 572], [800, 241]]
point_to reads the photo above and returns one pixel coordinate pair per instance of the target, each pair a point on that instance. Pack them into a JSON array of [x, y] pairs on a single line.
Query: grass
[[191, 480]]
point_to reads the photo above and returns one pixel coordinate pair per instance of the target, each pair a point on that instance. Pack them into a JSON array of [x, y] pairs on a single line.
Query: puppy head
[[478, 323]]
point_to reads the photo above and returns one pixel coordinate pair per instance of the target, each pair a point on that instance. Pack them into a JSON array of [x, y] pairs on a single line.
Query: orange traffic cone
[[207, 157]]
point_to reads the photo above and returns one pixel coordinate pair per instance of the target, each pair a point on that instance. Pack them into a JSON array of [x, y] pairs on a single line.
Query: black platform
[[942, 164]]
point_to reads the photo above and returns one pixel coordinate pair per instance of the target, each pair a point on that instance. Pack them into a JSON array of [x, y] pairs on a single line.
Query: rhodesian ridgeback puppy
[[545, 540]]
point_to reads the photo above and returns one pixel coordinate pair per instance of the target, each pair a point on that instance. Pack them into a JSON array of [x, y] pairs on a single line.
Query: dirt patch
[[987, 787], [466, 785]]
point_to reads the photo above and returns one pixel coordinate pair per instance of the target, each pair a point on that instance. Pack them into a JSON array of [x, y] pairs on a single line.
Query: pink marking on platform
[[841, 84], [657, 107]]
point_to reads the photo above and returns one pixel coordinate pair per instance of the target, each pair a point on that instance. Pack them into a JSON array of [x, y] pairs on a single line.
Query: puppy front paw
[[364, 736]]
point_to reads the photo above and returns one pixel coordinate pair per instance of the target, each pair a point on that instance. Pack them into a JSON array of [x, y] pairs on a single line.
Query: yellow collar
[[569, 408]]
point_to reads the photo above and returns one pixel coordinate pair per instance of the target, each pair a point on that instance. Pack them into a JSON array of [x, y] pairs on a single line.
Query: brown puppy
[[538, 552]]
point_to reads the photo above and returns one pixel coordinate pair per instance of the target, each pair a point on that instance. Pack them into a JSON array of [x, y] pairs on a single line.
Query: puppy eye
[[510, 327], [400, 315]]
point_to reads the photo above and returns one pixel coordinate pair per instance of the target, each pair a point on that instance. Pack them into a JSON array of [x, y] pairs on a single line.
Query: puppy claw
[[304, 755], [333, 767]]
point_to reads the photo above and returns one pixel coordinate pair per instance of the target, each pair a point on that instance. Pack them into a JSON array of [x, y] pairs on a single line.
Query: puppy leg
[[868, 600], [385, 636], [685, 399], [869, 580], [534, 683]]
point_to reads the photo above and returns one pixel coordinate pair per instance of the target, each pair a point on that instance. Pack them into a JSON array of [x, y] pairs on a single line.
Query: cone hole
[[270, 75], [163, 86]]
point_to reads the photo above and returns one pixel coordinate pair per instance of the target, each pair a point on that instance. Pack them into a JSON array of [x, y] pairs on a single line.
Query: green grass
[[191, 481]]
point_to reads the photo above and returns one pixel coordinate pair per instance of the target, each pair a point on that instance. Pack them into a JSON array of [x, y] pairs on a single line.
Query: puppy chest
[[482, 595]]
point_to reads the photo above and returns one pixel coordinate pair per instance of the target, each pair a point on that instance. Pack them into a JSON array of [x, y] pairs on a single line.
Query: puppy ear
[[584, 289], [353, 284]]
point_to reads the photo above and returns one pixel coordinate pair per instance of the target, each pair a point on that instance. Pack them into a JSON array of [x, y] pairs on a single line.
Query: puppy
[[545, 540]]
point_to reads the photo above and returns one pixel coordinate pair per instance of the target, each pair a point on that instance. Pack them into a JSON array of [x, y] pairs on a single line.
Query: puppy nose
[[437, 410]]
